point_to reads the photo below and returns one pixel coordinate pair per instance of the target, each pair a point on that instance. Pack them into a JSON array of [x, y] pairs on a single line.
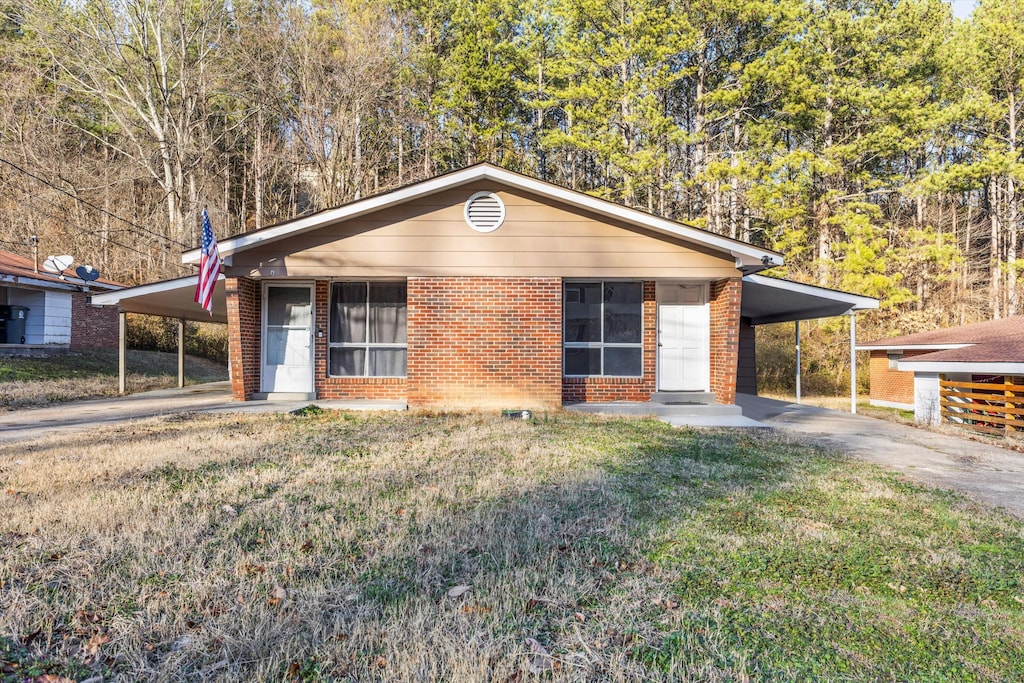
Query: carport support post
[[181, 353], [122, 350], [798, 361], [853, 362]]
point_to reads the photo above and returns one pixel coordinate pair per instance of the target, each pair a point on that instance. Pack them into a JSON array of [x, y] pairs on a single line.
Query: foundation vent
[[485, 212]]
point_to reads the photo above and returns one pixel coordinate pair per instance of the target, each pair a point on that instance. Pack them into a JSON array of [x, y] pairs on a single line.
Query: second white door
[[683, 340]]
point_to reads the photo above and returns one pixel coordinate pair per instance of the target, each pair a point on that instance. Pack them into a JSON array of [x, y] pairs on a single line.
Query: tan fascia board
[[746, 255]]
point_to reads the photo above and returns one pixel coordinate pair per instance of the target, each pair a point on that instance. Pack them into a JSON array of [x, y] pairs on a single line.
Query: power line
[[14, 244], [76, 227], [91, 205]]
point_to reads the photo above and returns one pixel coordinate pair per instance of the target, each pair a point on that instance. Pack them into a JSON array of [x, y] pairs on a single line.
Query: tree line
[[875, 143]]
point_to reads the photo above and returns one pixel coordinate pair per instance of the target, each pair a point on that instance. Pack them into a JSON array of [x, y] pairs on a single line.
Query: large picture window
[[367, 329], [603, 329]]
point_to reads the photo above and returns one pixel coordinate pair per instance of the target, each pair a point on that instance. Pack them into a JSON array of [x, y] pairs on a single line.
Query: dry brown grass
[[177, 534], [33, 382], [324, 547], [35, 393]]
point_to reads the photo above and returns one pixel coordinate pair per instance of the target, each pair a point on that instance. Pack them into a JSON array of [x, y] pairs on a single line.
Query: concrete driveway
[[28, 423], [73, 416], [945, 458]]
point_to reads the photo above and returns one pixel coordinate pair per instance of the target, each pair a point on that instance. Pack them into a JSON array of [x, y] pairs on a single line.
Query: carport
[[168, 299], [774, 300]]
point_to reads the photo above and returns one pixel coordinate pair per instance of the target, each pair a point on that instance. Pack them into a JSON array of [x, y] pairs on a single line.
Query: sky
[[963, 8]]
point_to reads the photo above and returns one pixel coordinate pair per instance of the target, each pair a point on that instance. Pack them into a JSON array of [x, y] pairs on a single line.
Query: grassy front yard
[[471, 548], [27, 382]]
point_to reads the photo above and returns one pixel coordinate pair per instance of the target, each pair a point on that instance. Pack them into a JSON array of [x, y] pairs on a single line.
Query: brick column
[[725, 337], [244, 302]]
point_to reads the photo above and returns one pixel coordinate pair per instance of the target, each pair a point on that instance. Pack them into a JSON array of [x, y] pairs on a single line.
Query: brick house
[[484, 288], [59, 315], [906, 370], [487, 288]]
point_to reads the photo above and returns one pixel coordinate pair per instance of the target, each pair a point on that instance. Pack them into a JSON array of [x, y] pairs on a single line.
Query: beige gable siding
[[430, 237]]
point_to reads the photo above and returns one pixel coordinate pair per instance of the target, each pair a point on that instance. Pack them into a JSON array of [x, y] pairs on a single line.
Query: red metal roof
[[994, 341], [21, 267]]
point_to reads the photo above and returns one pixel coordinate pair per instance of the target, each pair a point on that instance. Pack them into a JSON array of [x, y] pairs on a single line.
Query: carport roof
[[774, 300], [168, 298], [764, 300]]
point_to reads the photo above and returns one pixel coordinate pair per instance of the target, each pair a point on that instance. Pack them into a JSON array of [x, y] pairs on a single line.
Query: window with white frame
[[367, 330], [603, 329]]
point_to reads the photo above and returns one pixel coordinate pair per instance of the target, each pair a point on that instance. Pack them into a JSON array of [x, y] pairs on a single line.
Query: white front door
[[287, 338], [683, 338]]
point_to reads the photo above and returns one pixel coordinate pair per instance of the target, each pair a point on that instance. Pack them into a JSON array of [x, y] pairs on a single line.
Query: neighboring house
[[487, 288], [59, 315], [906, 371]]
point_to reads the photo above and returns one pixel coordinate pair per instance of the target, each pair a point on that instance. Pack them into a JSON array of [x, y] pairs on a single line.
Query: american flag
[[209, 266]]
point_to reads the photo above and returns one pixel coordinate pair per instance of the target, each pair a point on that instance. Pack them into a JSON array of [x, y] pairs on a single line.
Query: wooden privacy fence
[[982, 406]]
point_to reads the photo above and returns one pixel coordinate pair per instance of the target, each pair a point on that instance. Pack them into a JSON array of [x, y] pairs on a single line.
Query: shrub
[[153, 333]]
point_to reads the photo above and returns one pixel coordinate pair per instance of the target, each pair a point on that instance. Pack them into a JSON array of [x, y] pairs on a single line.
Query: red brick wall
[[482, 342], [725, 337], [92, 327], [244, 318], [485, 342], [894, 386], [600, 389], [376, 388]]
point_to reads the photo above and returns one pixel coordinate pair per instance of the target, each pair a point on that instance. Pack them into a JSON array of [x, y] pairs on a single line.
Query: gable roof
[[993, 341], [975, 333], [18, 270], [747, 256]]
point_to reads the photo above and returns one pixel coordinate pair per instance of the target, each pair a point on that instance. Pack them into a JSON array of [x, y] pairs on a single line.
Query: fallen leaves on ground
[[540, 658], [458, 591], [278, 596]]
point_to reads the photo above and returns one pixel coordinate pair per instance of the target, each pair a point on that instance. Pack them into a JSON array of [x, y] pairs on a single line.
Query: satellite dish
[[58, 264], [87, 273]]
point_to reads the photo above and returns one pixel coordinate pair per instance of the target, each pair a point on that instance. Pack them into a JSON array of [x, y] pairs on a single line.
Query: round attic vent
[[485, 212]]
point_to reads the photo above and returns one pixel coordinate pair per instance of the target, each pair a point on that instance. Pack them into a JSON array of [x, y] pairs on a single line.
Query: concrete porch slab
[[678, 415], [280, 406], [715, 421]]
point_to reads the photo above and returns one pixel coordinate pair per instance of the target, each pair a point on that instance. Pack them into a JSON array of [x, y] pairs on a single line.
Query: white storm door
[[683, 345], [287, 338]]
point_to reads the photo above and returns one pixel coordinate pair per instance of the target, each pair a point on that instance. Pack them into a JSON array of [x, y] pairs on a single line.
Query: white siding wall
[[49, 315], [926, 398], [58, 318]]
